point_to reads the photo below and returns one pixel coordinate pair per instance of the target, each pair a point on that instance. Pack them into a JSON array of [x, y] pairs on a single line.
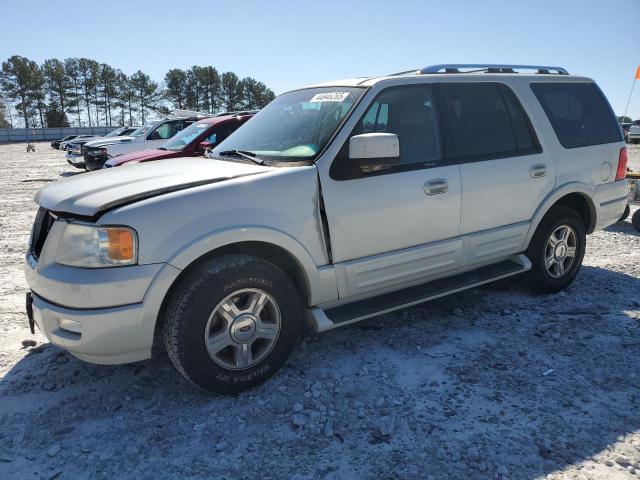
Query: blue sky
[[290, 43]]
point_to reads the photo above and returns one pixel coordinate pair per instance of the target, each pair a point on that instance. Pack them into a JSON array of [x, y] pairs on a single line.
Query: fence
[[41, 134]]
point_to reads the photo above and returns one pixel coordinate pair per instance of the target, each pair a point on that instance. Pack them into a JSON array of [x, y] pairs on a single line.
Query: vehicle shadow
[[71, 174], [623, 227], [494, 382]]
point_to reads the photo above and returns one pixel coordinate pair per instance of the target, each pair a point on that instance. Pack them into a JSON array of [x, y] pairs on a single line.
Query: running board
[[322, 320]]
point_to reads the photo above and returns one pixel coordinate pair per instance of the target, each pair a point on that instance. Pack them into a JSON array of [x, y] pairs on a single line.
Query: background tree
[[87, 69], [88, 93], [4, 123], [622, 119], [55, 117], [231, 92], [255, 94], [72, 73], [17, 82], [146, 93], [176, 87]]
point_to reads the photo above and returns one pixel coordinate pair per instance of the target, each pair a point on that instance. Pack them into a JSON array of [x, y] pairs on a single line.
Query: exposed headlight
[[97, 247]]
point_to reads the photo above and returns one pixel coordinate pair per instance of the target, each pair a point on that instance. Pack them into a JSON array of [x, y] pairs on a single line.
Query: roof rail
[[489, 68]]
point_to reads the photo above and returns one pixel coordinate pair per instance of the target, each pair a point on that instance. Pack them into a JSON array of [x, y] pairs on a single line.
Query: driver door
[[395, 222]]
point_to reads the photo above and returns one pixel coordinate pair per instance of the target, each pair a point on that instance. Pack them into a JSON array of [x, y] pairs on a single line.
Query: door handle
[[538, 170], [436, 186]]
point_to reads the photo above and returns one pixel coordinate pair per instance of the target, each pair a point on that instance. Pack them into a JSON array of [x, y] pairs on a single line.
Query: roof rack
[[489, 68]]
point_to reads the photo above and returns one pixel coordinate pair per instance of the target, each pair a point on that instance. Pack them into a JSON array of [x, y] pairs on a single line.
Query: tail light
[[622, 164]]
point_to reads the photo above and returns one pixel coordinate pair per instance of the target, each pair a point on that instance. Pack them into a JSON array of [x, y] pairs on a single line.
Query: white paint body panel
[[385, 232]]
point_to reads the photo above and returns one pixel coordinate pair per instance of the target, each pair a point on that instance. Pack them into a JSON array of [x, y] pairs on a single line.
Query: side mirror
[[374, 145], [204, 145]]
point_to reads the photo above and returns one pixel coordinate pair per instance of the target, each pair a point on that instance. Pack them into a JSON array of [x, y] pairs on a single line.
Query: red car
[[190, 142]]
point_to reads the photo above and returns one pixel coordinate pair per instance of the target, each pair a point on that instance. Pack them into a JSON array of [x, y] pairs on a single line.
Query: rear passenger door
[[505, 174]]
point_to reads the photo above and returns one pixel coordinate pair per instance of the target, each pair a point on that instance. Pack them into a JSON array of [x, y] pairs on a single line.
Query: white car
[[150, 136], [634, 133], [75, 146], [335, 203]]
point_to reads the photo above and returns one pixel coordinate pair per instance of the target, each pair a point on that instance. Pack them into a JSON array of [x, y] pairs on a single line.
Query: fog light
[[70, 325]]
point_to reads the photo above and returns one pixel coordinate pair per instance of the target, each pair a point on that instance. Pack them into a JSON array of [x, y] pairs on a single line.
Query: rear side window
[[487, 122], [578, 112]]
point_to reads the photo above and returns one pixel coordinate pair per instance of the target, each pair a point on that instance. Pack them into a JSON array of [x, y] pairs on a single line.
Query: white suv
[[337, 202]]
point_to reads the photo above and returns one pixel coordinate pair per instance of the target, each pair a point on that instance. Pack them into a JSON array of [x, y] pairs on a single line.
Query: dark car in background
[[193, 141], [74, 147], [56, 143]]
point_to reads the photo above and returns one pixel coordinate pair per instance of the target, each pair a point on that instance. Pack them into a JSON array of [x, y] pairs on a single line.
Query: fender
[[321, 281], [581, 188]]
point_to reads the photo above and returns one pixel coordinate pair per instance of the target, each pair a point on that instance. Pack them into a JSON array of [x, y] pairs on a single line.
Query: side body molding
[[321, 281]]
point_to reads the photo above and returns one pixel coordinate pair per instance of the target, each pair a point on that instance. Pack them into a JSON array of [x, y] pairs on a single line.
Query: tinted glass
[[578, 112], [480, 120]]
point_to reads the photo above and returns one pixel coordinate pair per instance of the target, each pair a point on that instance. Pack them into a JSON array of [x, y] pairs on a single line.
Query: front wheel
[[232, 322], [556, 250]]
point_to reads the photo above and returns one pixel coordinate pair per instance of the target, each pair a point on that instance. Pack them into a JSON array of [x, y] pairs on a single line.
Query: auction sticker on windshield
[[329, 97]]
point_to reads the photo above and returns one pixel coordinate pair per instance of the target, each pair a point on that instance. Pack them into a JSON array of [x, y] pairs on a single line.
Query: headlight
[[97, 247]]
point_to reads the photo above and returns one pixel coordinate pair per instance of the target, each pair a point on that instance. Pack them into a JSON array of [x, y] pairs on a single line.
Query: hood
[[142, 156], [91, 194], [103, 142]]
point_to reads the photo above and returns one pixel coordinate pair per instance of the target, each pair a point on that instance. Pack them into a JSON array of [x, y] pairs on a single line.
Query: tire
[[560, 272], [625, 214], [214, 301], [635, 220]]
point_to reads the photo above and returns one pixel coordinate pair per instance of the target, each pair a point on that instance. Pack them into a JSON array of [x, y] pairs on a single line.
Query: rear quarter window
[[579, 113]]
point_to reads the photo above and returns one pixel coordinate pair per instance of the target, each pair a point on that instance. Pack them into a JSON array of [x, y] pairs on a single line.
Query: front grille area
[[41, 226]]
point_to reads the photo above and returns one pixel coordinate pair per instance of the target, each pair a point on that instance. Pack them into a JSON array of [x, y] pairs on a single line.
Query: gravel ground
[[491, 383]]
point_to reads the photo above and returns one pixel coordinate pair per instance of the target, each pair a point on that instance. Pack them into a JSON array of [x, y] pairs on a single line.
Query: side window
[[165, 131], [411, 113], [480, 120], [578, 112]]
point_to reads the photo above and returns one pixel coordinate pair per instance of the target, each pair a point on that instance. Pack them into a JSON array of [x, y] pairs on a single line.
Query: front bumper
[[114, 309], [75, 160], [107, 336], [94, 161]]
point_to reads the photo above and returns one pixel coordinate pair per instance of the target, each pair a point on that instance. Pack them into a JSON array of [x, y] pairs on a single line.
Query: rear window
[[578, 112], [488, 121]]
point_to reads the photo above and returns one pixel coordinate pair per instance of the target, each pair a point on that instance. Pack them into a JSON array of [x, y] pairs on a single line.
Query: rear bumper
[[610, 201]]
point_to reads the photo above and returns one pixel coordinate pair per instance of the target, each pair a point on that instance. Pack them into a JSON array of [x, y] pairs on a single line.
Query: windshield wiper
[[242, 153], [162, 148]]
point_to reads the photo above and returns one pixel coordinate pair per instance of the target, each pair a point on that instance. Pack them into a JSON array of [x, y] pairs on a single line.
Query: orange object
[[638, 73], [120, 244]]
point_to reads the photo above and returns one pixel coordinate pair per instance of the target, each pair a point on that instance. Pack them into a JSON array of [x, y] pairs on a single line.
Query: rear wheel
[[625, 214], [635, 220], [232, 323], [556, 250]]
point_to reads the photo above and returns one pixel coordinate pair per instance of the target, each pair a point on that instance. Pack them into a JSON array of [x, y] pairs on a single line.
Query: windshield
[[115, 133], [184, 137], [295, 126]]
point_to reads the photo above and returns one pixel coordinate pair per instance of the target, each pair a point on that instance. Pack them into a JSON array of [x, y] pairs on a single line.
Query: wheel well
[[581, 204], [267, 251]]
